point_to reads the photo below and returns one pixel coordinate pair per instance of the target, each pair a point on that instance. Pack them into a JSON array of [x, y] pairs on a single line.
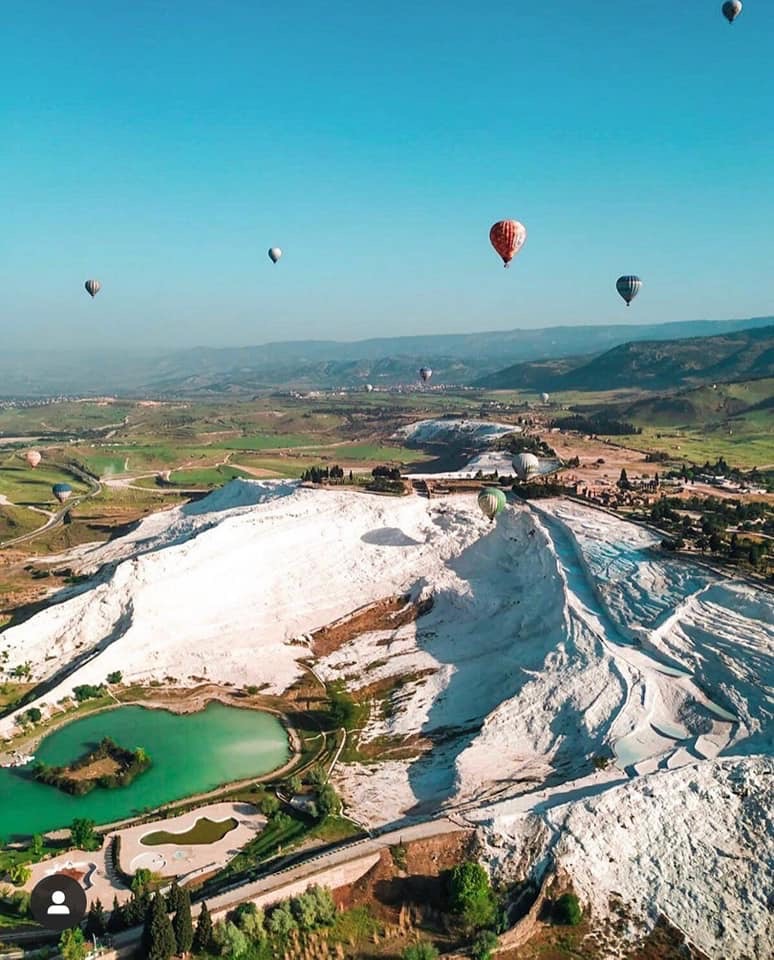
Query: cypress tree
[[158, 939], [182, 923], [173, 897], [202, 940]]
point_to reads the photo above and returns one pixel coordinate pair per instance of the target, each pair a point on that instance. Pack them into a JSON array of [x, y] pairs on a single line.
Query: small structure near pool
[[200, 841]]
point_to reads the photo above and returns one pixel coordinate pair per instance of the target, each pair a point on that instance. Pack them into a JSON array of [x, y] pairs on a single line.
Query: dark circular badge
[[58, 902]]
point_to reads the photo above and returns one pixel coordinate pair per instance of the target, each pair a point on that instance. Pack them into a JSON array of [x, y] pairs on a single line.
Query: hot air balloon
[[732, 9], [491, 501], [33, 458], [628, 286], [274, 254], [545, 397], [368, 388], [525, 465], [93, 287], [507, 237], [425, 373], [62, 491]]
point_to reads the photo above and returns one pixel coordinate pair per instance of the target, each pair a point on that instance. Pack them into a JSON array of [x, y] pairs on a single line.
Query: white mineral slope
[[220, 594], [718, 631], [482, 432], [694, 844]]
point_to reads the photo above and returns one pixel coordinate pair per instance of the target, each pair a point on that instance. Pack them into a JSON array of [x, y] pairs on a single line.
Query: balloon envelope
[[274, 254], [62, 491], [368, 388], [732, 9], [491, 501], [507, 237], [525, 465], [628, 287], [425, 373], [93, 287], [33, 458], [545, 397]]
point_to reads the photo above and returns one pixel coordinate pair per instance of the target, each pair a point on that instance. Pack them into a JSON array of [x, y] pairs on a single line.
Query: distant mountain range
[[455, 358], [649, 365]]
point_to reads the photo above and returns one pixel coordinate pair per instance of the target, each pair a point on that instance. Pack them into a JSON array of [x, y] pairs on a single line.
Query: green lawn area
[[278, 441], [750, 445], [206, 476], [67, 417], [203, 831], [16, 521], [24, 486], [103, 464], [354, 452]]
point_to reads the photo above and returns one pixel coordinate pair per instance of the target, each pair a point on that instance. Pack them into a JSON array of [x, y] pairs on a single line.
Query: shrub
[[484, 945], [420, 951], [567, 910]]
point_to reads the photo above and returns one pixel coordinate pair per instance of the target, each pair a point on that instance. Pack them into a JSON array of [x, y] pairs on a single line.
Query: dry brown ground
[[616, 458], [387, 614], [99, 768]]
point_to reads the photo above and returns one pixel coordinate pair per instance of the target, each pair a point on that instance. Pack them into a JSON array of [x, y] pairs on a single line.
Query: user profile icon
[[58, 902]]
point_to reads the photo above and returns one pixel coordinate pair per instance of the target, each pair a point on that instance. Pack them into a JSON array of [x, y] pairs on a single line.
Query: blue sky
[[163, 147]]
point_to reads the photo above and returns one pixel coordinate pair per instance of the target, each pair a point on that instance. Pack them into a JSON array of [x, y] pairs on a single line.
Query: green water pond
[[190, 754]]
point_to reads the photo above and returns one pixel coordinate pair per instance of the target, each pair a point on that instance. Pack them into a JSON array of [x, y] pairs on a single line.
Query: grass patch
[[271, 442], [202, 832]]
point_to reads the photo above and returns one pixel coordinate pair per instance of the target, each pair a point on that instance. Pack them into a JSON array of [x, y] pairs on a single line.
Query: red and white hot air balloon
[[507, 237], [33, 458]]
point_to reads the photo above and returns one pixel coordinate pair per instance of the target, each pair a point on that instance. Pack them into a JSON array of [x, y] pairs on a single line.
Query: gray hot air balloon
[[93, 287], [491, 501], [545, 397], [731, 9], [274, 254], [526, 465], [62, 491], [368, 388], [628, 286], [425, 373]]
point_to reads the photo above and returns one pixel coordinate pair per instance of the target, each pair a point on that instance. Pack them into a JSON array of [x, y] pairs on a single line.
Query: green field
[[202, 832], [269, 442], [205, 477], [24, 486]]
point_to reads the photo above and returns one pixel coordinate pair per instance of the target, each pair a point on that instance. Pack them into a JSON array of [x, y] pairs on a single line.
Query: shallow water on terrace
[[190, 754]]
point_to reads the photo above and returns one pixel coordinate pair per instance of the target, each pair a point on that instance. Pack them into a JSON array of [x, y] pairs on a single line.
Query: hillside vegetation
[[650, 365]]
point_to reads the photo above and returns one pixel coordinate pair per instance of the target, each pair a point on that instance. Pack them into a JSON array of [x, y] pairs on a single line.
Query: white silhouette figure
[[59, 906]]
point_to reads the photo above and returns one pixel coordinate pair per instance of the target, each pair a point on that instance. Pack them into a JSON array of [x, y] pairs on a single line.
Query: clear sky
[[163, 145]]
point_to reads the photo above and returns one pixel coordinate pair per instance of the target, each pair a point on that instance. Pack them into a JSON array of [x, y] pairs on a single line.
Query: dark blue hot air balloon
[[628, 286], [62, 491]]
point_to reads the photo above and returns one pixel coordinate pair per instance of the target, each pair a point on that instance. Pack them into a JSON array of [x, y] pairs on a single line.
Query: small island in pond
[[108, 766]]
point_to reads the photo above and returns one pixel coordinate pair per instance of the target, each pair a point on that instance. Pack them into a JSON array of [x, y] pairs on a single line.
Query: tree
[[484, 945], [420, 951], [34, 715], [230, 940], [141, 881], [250, 920], [82, 834], [182, 925], [96, 921], [116, 918], [342, 709], [325, 904], [114, 677], [72, 944], [327, 801], [623, 481], [202, 940], [269, 805], [470, 895], [294, 785], [19, 874], [158, 938], [317, 776], [282, 922], [36, 847], [567, 910], [304, 909]]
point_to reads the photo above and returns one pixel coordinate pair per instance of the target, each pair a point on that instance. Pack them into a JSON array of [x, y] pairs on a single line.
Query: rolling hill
[[384, 361], [649, 365]]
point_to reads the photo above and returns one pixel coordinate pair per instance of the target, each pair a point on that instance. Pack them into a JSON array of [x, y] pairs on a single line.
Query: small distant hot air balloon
[[491, 501], [628, 287], [369, 388], [507, 237], [525, 465], [33, 458], [62, 491], [425, 373], [731, 9], [93, 287], [274, 254], [545, 397]]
